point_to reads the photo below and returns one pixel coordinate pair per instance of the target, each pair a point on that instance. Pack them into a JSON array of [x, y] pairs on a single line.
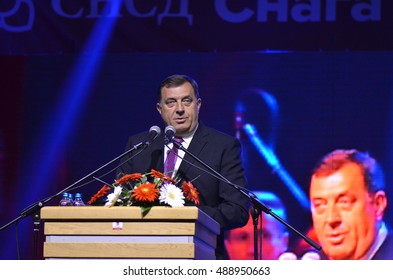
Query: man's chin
[[337, 253], [181, 128]]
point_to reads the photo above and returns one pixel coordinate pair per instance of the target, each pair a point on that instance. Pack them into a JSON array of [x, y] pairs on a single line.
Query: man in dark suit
[[348, 203], [178, 104]]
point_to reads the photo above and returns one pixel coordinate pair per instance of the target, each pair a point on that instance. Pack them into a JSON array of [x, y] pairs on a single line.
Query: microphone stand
[[34, 208], [255, 214], [257, 205]]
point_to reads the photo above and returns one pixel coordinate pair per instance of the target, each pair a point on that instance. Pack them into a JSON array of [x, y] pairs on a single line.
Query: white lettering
[[130, 5], [56, 6], [183, 11], [304, 12], [234, 17], [280, 7], [108, 8], [19, 11], [331, 8], [367, 11], [233, 11]]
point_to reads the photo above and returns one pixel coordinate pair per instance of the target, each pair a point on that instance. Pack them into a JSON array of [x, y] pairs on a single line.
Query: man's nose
[[333, 215], [179, 107]]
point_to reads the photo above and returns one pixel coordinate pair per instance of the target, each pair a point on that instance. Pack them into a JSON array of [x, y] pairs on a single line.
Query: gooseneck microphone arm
[[258, 205], [35, 207]]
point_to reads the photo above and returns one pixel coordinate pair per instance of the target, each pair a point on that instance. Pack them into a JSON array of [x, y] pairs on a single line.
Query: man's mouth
[[336, 238]]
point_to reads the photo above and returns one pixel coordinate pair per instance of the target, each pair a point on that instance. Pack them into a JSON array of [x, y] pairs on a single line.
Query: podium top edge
[[116, 213]]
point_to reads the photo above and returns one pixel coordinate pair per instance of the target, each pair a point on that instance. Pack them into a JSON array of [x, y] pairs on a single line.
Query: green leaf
[[145, 210]]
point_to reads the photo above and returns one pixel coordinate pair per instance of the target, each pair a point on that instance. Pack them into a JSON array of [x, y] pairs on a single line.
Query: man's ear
[[158, 107], [380, 202], [199, 103]]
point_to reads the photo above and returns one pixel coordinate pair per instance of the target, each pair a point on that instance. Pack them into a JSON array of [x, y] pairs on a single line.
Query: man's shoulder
[[139, 136], [222, 136], [385, 252]]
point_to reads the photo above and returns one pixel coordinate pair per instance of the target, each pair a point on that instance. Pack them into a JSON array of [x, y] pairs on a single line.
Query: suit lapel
[[196, 146], [157, 154]]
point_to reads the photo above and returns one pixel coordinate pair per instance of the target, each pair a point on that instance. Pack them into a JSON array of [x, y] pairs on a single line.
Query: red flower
[[191, 192], [162, 176], [141, 191], [99, 194], [146, 193], [125, 178]]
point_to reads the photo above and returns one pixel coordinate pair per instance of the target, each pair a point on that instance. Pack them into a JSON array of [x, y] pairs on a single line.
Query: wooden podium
[[98, 232]]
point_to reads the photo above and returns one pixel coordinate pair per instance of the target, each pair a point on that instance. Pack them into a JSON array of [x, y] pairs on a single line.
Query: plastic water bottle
[[65, 200], [78, 200], [71, 197]]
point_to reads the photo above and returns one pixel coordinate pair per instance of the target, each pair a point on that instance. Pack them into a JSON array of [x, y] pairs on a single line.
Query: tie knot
[[178, 139]]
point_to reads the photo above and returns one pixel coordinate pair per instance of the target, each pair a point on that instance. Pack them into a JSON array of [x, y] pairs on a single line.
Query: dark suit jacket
[[385, 252], [221, 152]]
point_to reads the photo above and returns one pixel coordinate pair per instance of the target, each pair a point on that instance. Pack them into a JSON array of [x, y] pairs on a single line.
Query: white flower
[[113, 197], [171, 195]]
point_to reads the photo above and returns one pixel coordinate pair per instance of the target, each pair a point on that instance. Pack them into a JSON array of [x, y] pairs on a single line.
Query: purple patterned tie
[[170, 161]]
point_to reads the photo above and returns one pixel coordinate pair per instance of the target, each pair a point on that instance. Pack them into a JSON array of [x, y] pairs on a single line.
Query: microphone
[[287, 256], [311, 255], [153, 133], [35, 207], [170, 132]]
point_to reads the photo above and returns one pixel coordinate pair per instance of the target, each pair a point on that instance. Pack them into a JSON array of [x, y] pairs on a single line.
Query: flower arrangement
[[148, 190]]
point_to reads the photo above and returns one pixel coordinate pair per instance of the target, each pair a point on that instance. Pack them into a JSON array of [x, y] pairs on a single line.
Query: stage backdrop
[[63, 26], [61, 123]]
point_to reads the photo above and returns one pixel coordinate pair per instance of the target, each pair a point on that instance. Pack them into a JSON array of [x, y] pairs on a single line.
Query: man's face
[[180, 108], [344, 213], [240, 243]]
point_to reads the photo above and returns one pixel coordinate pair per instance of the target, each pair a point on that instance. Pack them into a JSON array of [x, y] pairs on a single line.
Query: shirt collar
[[379, 239], [187, 139]]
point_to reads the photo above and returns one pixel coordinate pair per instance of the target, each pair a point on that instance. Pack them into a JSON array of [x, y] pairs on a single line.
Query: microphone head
[[313, 256], [287, 256], [155, 129], [170, 132]]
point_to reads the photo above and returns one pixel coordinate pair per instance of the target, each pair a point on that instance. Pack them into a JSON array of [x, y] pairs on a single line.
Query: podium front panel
[[122, 232]]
